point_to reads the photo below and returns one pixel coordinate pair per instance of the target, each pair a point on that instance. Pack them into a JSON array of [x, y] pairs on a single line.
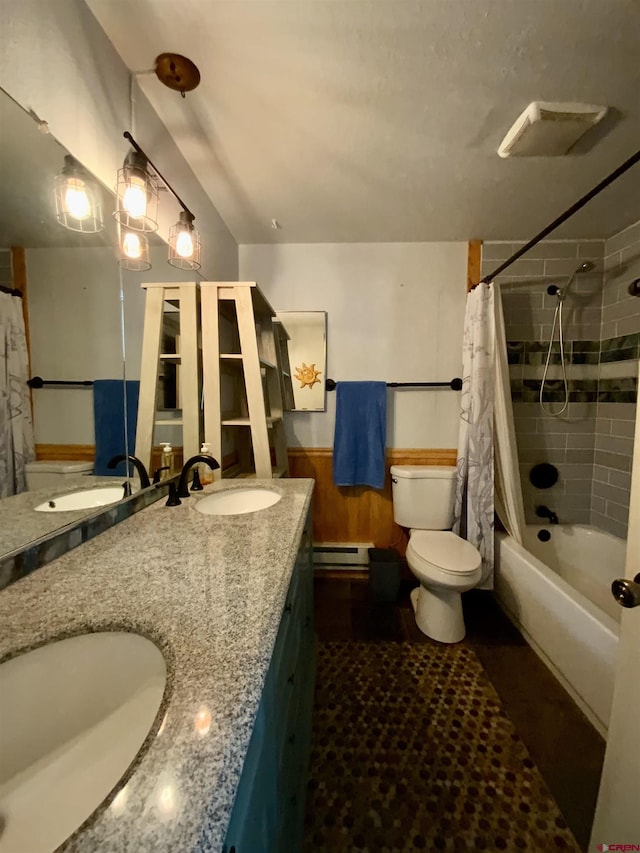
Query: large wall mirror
[[307, 351], [76, 300]]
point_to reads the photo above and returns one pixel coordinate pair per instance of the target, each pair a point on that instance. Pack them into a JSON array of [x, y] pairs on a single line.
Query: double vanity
[[164, 669]]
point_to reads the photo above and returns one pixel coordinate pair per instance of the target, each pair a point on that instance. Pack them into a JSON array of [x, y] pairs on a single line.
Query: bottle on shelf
[[166, 460], [206, 474]]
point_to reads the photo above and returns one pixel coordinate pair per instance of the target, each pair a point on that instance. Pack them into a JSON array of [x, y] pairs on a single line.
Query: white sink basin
[[86, 499], [237, 501], [74, 715]]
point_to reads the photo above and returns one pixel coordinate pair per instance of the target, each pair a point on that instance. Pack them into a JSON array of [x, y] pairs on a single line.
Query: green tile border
[[623, 390], [622, 348]]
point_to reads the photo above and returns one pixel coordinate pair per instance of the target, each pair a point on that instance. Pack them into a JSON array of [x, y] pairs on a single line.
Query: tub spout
[[545, 512]]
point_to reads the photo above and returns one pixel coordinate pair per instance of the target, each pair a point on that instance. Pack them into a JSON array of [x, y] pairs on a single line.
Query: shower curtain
[[509, 505], [474, 503], [16, 426]]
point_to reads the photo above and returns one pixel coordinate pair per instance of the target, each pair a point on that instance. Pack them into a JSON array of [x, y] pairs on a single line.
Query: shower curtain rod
[[563, 217]]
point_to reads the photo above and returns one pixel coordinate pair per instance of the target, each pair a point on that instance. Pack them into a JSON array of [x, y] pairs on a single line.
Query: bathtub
[[558, 594]]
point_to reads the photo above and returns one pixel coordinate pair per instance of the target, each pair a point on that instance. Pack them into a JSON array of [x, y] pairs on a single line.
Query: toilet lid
[[448, 552]]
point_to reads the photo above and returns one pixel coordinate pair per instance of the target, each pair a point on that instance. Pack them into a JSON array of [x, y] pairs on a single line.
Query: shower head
[[561, 293]]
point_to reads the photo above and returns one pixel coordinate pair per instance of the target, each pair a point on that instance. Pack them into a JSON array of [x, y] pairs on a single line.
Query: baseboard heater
[[346, 556]]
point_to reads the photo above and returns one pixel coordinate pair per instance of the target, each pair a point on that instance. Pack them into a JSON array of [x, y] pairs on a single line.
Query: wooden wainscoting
[[65, 452], [357, 513]]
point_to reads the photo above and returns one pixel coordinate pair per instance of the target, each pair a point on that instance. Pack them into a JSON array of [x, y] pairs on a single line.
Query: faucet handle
[[196, 485], [173, 499], [157, 473]]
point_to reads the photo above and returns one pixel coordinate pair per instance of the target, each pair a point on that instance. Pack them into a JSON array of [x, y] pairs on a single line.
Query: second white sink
[[86, 499], [237, 501]]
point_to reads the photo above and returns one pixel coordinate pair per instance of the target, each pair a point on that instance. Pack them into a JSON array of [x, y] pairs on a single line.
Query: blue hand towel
[[360, 434], [108, 416]]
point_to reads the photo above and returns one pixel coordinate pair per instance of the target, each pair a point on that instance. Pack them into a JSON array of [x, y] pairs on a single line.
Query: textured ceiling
[[379, 120]]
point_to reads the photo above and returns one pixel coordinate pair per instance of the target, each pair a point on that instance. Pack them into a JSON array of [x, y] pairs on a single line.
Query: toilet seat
[[443, 550]]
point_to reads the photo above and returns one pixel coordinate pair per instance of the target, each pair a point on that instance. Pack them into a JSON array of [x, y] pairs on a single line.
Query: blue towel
[[108, 416], [360, 434]]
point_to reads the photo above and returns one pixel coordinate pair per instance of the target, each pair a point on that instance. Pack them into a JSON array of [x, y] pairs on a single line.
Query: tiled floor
[[563, 745]]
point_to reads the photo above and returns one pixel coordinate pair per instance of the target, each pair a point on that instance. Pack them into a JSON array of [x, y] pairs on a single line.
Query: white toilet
[[445, 564], [43, 474]]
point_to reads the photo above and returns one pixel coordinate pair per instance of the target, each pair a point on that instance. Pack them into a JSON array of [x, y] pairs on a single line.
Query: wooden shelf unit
[[183, 296], [248, 356]]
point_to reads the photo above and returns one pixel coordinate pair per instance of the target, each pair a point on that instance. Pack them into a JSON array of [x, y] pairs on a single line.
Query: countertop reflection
[[21, 524]]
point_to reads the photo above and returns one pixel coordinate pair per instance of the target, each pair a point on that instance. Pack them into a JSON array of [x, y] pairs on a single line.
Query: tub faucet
[[545, 512], [183, 491], [137, 463]]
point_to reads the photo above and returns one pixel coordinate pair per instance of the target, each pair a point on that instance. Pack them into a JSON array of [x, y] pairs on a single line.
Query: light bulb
[[184, 244], [76, 200], [131, 245], [134, 200]]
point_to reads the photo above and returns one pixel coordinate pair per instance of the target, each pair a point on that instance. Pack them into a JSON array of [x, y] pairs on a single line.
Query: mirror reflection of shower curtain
[[474, 504], [509, 505], [16, 425]]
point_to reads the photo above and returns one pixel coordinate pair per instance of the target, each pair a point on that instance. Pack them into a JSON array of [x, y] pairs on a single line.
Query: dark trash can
[[384, 575]]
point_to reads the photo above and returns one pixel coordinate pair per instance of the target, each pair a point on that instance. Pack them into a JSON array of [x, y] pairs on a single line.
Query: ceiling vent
[[547, 129]]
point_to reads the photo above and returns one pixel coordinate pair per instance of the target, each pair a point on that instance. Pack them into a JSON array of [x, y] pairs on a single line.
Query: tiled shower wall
[[615, 422], [591, 443]]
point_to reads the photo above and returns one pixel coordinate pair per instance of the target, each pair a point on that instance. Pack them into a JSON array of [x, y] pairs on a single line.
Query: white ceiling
[[379, 120]]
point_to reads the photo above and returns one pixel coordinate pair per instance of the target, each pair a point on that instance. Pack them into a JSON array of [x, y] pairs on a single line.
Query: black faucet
[[545, 512], [183, 491], [139, 466]]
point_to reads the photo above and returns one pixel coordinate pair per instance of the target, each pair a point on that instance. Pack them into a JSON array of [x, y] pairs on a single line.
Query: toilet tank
[[423, 495], [53, 474]]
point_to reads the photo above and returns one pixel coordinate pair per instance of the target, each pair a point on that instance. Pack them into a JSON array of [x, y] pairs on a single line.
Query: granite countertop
[[21, 524], [209, 591]]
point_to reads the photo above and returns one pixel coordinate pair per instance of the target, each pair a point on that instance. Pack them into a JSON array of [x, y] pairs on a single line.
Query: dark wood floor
[[564, 745]]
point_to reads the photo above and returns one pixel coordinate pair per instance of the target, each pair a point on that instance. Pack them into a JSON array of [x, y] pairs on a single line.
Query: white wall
[[394, 312], [75, 333], [57, 61]]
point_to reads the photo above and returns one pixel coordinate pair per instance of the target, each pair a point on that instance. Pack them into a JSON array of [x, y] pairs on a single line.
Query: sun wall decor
[[307, 376]]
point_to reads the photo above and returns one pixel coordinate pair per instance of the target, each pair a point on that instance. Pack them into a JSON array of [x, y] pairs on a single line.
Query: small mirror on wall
[[306, 348]]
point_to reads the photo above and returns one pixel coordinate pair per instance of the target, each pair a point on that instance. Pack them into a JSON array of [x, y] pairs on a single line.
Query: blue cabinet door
[[268, 811]]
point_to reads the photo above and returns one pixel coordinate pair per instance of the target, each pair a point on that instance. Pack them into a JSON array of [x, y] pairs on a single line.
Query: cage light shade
[[78, 198], [133, 250], [137, 195], [184, 244]]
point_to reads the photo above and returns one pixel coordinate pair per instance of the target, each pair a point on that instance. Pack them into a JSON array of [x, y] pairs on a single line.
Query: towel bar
[[38, 382], [454, 384]]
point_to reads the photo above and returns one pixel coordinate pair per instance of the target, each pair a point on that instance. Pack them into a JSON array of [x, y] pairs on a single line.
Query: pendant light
[[184, 243], [133, 250], [78, 198], [137, 191], [137, 209]]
